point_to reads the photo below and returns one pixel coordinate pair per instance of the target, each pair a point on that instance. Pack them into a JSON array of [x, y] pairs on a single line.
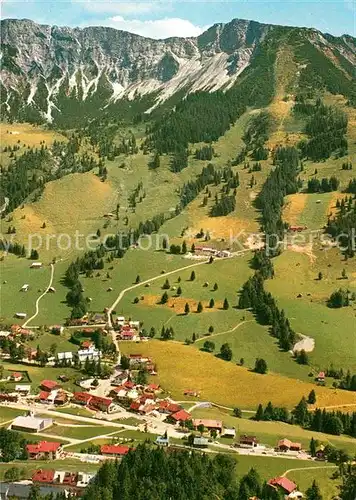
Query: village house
[[208, 424], [320, 453], [114, 450], [31, 424], [120, 320], [283, 484], [56, 329], [168, 407], [200, 442], [36, 265], [44, 450], [101, 404], [287, 445], [16, 377], [248, 441], [118, 393], [162, 441], [179, 416], [321, 377], [49, 385], [65, 357], [153, 388], [92, 354], [25, 287], [127, 333], [21, 315], [23, 390], [229, 432], [81, 398], [87, 344]]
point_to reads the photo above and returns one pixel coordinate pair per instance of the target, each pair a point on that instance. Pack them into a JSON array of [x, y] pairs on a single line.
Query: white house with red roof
[[44, 450]]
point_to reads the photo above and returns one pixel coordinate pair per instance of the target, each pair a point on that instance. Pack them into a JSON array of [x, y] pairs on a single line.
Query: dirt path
[[155, 278], [309, 468], [39, 299], [227, 331]]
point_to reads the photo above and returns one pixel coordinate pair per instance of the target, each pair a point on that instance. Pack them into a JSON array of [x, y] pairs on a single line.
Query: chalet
[[229, 432], [36, 265], [153, 388], [135, 406], [92, 354], [15, 329], [162, 441], [297, 229], [99, 318], [25, 332], [45, 397], [119, 393], [49, 385], [12, 398], [65, 356], [44, 450], [191, 392], [61, 398], [43, 476], [137, 359], [282, 484], [114, 450], [31, 424], [21, 315], [51, 289], [320, 453], [128, 334], [180, 416], [57, 329], [25, 287], [120, 320], [87, 344], [101, 404], [208, 424], [129, 384], [321, 377], [200, 442], [23, 390], [16, 377], [81, 398], [287, 445], [248, 441], [169, 408]]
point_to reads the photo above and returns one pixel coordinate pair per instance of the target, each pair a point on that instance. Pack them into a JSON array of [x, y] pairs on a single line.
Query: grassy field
[[81, 431], [269, 433], [37, 374], [25, 135], [15, 273], [182, 367], [268, 467], [309, 314], [76, 410], [7, 414]]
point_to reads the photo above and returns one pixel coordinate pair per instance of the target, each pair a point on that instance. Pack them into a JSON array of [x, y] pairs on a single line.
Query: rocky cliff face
[[42, 63]]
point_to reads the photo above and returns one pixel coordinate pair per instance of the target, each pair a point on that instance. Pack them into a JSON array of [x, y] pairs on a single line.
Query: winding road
[[39, 299]]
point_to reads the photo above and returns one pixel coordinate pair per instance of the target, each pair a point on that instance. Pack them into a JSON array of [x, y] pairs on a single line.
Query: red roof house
[[180, 416], [102, 404], [43, 396], [43, 476], [128, 384], [135, 406], [16, 376], [43, 450], [152, 388], [321, 377], [82, 398], [113, 449], [283, 482], [48, 385]]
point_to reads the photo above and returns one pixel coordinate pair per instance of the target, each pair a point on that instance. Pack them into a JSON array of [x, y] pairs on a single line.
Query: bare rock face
[[41, 65]]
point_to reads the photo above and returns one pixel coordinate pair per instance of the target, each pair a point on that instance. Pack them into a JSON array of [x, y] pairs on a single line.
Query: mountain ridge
[[45, 68]]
